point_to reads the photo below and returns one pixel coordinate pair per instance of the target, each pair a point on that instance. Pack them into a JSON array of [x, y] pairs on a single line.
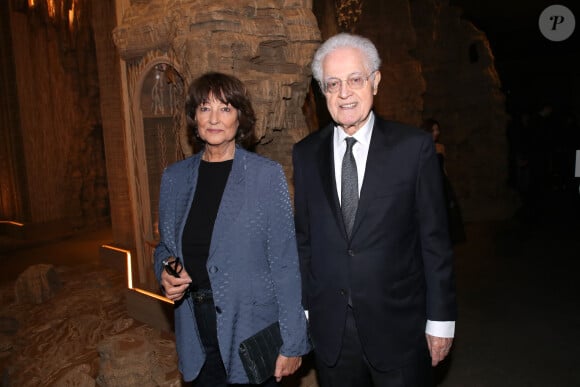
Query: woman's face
[[217, 122], [435, 132]]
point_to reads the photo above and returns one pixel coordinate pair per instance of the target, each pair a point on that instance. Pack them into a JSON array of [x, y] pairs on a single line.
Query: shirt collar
[[363, 135]]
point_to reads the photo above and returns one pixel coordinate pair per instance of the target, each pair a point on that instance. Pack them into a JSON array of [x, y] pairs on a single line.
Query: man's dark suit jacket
[[398, 266]]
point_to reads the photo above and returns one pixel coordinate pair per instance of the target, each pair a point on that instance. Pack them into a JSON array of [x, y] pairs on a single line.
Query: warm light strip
[[12, 223], [51, 7], [151, 294], [130, 275], [129, 266], [71, 17]]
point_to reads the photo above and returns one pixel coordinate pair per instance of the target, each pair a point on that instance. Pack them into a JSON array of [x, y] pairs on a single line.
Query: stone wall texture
[[463, 93], [268, 44], [56, 147]]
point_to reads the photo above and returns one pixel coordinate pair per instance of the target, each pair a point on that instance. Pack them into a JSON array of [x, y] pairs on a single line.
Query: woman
[[225, 213], [455, 218]]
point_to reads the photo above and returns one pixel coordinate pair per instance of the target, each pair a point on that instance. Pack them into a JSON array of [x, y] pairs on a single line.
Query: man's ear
[[376, 81]]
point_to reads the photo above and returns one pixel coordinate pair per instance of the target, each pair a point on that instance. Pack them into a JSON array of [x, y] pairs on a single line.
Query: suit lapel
[[183, 204], [378, 148], [326, 170], [232, 200]]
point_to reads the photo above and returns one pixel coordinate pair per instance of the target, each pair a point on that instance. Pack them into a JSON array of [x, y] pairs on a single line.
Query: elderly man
[[375, 253]]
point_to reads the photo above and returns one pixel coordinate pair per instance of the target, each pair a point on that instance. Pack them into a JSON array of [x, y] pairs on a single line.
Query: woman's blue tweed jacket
[[252, 263]]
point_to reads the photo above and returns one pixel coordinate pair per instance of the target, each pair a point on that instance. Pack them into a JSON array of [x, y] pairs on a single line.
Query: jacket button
[[351, 253], [342, 292], [213, 269], [218, 309]]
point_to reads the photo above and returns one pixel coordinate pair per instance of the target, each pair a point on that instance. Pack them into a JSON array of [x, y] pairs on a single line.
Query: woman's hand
[[286, 366], [175, 287]]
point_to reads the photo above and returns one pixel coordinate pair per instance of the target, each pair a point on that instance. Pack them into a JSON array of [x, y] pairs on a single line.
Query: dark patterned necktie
[[349, 186]]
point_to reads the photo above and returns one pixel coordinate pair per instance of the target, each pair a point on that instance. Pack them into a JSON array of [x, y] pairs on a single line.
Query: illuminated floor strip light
[[13, 223], [130, 275]]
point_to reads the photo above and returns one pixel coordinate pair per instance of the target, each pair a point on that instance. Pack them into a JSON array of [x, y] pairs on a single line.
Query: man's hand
[[438, 348], [286, 366]]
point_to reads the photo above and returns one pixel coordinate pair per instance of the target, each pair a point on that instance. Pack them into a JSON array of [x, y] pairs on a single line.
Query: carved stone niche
[[157, 138], [166, 44]]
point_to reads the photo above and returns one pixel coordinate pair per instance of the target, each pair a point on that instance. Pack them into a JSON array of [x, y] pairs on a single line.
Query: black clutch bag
[[259, 353]]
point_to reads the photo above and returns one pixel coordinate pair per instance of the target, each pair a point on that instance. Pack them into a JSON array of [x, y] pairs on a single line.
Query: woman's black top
[[211, 183]]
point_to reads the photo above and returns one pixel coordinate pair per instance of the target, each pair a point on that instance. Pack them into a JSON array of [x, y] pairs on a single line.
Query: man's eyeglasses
[[355, 82], [173, 266]]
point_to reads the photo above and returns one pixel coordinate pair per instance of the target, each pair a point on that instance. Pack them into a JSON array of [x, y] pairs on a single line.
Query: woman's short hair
[[229, 90], [346, 40]]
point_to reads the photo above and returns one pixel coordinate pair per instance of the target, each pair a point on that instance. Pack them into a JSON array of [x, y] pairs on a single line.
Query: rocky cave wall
[[463, 94], [59, 170], [268, 44]]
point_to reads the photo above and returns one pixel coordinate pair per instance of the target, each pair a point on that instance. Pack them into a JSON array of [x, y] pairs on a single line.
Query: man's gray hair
[[345, 40]]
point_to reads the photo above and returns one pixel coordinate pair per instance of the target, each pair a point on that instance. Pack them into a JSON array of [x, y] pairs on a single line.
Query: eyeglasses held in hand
[[173, 266], [354, 81]]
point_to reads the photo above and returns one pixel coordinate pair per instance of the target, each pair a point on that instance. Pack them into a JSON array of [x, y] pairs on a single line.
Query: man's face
[[348, 106]]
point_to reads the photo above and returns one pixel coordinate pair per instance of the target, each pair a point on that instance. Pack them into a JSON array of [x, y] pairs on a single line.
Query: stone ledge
[[149, 310]]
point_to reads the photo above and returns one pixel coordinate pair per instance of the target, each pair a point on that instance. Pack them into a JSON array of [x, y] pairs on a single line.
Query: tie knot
[[349, 143]]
